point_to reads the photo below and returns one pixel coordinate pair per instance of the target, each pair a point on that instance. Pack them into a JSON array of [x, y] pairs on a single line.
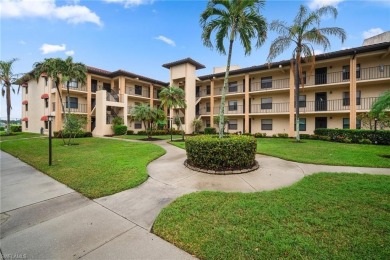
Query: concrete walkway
[[42, 218]]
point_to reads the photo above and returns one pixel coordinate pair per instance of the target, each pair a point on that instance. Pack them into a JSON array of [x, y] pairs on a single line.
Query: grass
[[96, 167], [138, 137], [17, 135], [324, 216], [322, 152]]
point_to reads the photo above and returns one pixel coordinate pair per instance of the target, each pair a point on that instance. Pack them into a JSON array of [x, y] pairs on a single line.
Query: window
[[266, 124], [26, 107], [266, 82], [266, 103], [345, 123], [207, 123], [304, 77], [233, 86], [138, 90], [208, 90], [46, 102], [358, 97], [73, 83], [232, 125], [137, 125], [46, 124], [302, 124], [26, 124], [358, 71], [207, 107], [346, 72], [302, 100], [233, 105], [74, 102], [345, 98]]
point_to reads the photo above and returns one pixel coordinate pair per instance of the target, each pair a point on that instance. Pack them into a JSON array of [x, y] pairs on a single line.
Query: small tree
[[197, 124], [225, 121], [157, 117], [368, 120], [73, 126], [143, 113]]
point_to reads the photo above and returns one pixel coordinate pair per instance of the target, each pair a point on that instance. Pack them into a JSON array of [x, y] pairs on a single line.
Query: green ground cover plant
[[324, 216], [95, 167]]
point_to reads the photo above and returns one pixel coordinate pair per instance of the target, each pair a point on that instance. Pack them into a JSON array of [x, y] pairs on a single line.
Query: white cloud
[[315, 4], [166, 40], [318, 52], [69, 53], [372, 32], [129, 3], [49, 48], [22, 42], [48, 9]]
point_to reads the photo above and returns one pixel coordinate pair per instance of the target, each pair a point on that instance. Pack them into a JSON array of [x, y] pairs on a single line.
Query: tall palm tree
[[302, 35], [173, 97], [7, 79], [73, 71], [231, 19]]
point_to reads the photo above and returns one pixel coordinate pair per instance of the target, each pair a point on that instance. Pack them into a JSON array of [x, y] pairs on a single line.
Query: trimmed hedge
[[119, 129], [210, 131], [160, 132], [59, 134], [354, 135], [130, 132], [16, 128], [233, 152]]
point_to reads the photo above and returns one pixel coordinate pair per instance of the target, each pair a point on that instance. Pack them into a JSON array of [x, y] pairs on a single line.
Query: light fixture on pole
[[50, 118]]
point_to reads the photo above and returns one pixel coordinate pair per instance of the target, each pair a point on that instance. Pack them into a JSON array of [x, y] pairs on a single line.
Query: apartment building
[[342, 85]]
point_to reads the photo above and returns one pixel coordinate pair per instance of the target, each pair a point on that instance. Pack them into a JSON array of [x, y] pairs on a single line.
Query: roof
[[324, 56], [183, 61], [117, 73]]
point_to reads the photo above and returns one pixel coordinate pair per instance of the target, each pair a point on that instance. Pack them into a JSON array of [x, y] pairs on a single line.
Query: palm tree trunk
[[59, 94], [296, 81], [8, 97], [67, 96], [224, 88]]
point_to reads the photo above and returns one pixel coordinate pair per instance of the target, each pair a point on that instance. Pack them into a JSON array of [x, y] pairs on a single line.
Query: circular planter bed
[[229, 155]]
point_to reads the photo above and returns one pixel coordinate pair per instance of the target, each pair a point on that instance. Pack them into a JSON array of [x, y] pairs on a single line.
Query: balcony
[[231, 89], [231, 110], [202, 93], [203, 111], [378, 72], [137, 92], [75, 87], [270, 108], [270, 85], [75, 108], [364, 104]]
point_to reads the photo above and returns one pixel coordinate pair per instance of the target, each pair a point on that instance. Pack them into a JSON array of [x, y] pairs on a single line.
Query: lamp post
[[170, 126], [50, 119]]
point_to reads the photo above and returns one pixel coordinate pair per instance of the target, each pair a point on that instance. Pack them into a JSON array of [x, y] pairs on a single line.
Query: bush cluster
[[160, 132], [130, 132], [16, 128], [210, 131], [119, 129], [230, 153], [260, 135], [354, 135], [2, 128], [60, 134]]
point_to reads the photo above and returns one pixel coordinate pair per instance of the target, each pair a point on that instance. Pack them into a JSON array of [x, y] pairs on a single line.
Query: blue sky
[[141, 35]]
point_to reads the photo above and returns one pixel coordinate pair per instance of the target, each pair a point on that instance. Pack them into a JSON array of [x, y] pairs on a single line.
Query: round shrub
[[234, 152], [120, 129]]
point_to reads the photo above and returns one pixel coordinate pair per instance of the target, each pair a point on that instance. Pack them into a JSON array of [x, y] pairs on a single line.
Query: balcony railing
[[232, 89], [230, 110], [378, 72], [270, 108], [112, 96], [337, 105], [132, 91], [270, 85], [77, 87], [204, 111], [75, 108], [202, 93]]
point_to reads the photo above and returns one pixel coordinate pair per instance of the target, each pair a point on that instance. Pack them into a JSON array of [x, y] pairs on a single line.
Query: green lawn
[[96, 167], [18, 135], [324, 216], [138, 137], [322, 152]]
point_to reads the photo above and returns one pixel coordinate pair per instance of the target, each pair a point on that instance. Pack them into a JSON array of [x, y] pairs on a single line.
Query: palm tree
[[303, 34], [73, 72], [173, 97], [7, 80], [157, 116], [230, 19], [143, 113], [381, 104]]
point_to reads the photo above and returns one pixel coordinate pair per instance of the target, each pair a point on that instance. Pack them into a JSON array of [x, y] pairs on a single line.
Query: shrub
[[260, 135], [117, 121], [119, 129], [61, 134], [379, 137], [16, 128], [274, 135], [130, 132], [283, 135], [141, 132], [324, 138], [2, 128], [213, 153], [210, 131], [365, 141], [304, 136]]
